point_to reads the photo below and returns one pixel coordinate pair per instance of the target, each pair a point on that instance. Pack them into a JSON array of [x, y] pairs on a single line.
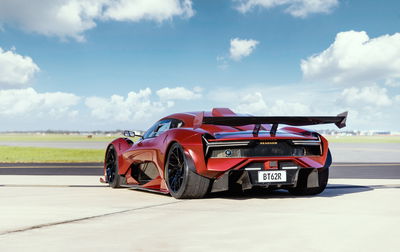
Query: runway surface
[[64, 207], [75, 213], [338, 170]]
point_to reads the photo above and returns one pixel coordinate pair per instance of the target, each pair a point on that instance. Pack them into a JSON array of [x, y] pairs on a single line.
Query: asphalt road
[[338, 170]]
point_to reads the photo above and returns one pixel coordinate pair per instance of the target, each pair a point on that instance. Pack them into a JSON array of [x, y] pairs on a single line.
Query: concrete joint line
[[85, 218]]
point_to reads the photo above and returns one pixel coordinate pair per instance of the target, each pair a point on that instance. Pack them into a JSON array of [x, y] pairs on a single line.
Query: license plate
[[272, 176]]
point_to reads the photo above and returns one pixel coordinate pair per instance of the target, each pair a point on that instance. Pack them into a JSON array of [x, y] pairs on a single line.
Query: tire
[[112, 177], [323, 175], [182, 180]]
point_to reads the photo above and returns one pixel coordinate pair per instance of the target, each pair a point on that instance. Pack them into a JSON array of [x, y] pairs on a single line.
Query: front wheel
[[180, 176], [112, 176]]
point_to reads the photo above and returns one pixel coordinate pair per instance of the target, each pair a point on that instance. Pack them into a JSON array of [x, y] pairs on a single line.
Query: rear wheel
[[323, 175], [112, 176], [180, 176]]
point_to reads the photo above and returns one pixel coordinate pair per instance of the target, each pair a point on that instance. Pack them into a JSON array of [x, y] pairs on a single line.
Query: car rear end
[[244, 161]]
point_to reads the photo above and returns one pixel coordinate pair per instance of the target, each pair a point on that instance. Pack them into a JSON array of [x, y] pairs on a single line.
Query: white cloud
[[222, 63], [139, 105], [158, 10], [29, 103], [71, 18], [136, 106], [198, 89], [369, 108], [372, 95], [355, 58], [63, 18], [15, 70], [254, 103], [392, 82], [241, 48], [296, 8], [282, 107], [178, 93]]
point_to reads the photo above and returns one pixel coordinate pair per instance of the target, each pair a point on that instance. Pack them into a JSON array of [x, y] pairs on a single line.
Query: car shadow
[[335, 190], [262, 193]]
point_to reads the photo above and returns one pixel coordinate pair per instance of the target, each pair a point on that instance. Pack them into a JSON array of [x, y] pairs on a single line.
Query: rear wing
[[339, 121]]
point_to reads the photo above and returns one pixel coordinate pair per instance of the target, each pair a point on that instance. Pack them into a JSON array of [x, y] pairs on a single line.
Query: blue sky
[[108, 64]]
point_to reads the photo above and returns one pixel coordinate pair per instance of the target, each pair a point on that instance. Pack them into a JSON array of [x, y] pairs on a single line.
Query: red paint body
[[154, 150]]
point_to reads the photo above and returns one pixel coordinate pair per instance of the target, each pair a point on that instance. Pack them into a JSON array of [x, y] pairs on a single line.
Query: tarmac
[[365, 152], [337, 170], [76, 213], [64, 209]]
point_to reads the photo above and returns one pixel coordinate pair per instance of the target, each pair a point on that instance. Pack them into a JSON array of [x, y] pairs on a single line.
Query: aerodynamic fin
[[198, 120], [342, 123]]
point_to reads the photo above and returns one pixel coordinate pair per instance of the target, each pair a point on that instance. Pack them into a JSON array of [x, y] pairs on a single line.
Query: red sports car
[[190, 154]]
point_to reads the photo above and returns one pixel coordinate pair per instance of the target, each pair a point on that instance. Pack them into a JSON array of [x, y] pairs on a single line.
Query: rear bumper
[[218, 166], [246, 179]]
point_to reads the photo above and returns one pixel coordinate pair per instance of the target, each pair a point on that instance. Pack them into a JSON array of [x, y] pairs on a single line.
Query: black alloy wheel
[[112, 176], [180, 175], [176, 168]]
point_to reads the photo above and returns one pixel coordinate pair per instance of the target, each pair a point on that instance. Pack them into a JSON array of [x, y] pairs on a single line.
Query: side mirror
[[129, 133]]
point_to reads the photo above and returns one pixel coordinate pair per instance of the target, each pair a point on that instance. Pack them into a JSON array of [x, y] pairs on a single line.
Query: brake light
[[270, 165]]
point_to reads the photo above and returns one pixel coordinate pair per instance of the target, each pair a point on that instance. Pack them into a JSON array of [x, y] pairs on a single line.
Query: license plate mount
[[271, 176]]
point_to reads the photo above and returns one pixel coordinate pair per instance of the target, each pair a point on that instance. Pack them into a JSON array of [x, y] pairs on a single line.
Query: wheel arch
[[120, 146], [167, 151], [192, 144]]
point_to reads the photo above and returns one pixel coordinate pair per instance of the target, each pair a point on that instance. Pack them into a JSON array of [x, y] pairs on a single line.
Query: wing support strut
[[256, 129], [273, 129]]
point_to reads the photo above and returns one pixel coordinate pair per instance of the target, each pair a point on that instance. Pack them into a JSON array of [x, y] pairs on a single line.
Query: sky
[[123, 64]]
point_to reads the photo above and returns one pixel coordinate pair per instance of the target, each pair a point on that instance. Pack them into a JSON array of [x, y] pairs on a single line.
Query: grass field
[[39, 154], [9, 154], [25, 137]]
